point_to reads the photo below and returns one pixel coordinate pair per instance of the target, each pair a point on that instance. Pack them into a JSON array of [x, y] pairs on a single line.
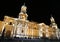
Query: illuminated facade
[[21, 27]]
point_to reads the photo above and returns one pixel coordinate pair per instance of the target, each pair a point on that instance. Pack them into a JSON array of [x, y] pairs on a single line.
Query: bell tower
[[53, 24], [23, 15]]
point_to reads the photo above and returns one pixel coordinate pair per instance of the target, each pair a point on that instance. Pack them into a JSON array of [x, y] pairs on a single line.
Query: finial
[[51, 15], [24, 3]]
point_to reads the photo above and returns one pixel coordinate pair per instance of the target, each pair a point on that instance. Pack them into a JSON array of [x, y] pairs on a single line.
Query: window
[[22, 31], [10, 23]]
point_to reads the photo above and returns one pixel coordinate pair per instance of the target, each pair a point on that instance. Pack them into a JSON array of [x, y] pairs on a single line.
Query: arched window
[[10, 23]]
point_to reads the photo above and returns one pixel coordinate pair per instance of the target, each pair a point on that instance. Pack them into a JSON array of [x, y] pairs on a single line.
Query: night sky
[[38, 11]]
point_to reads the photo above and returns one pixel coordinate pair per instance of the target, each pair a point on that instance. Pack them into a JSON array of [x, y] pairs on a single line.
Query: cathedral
[[21, 27]]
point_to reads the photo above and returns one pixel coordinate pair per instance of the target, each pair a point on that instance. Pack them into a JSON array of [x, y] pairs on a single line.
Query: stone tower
[[23, 15], [53, 24]]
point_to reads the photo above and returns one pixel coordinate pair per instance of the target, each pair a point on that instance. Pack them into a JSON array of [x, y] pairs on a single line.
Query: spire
[[23, 8], [52, 19]]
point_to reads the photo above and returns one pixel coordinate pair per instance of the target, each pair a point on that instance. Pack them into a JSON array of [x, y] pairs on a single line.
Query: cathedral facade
[[21, 27]]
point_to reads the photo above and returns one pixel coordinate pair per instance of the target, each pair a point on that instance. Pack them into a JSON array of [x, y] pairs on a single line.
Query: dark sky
[[38, 11]]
